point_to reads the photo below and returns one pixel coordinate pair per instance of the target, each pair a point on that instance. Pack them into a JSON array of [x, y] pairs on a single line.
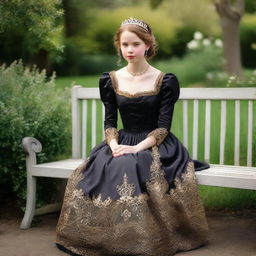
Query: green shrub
[[30, 26], [77, 62], [30, 106]]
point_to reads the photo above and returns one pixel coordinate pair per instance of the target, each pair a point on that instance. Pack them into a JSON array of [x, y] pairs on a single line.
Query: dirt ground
[[231, 234]]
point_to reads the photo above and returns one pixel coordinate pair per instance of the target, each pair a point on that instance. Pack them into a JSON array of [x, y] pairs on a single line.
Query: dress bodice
[[142, 111]]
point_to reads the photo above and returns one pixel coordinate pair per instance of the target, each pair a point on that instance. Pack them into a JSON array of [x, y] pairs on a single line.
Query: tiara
[[132, 21]]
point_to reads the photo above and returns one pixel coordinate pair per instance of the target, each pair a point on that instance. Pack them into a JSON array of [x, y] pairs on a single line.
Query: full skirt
[[143, 204]]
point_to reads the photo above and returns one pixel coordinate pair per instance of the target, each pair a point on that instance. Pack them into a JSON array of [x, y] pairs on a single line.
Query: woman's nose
[[130, 49]]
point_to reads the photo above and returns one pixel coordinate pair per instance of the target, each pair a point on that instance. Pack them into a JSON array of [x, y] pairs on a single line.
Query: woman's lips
[[130, 57]]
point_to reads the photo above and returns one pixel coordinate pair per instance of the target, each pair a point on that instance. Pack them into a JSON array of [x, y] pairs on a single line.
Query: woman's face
[[132, 47]]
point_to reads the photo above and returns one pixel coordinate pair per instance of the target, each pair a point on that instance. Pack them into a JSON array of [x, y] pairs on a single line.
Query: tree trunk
[[230, 17], [231, 46], [41, 59]]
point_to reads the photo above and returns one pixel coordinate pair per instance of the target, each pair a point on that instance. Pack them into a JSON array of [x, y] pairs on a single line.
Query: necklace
[[137, 73]]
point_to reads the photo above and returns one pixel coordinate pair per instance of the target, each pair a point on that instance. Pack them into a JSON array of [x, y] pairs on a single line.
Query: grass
[[213, 197], [86, 81]]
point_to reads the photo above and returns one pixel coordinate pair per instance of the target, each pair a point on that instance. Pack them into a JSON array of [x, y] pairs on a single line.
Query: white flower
[[198, 35], [218, 43], [206, 42], [209, 75], [192, 44], [232, 77]]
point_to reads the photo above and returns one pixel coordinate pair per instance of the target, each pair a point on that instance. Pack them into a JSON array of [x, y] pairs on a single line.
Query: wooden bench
[[86, 101]]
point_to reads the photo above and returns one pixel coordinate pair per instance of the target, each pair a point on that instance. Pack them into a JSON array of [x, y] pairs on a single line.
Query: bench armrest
[[31, 146]]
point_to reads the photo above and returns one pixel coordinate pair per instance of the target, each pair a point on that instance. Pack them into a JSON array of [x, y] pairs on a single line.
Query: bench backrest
[[205, 118]]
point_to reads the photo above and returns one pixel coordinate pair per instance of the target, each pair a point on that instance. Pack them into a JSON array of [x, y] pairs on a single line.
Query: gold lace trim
[[159, 134], [155, 91], [158, 223], [111, 133]]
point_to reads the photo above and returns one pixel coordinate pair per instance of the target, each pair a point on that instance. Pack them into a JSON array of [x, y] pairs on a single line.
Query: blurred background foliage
[[31, 30], [75, 37], [171, 27]]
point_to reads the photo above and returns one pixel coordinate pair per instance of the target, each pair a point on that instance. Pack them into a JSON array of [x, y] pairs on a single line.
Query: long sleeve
[[108, 98], [169, 94]]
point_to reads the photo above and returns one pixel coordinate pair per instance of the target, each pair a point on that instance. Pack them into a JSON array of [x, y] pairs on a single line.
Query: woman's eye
[[124, 44]]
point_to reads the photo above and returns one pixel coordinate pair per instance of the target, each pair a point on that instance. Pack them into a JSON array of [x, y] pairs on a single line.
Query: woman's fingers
[[120, 149], [123, 150]]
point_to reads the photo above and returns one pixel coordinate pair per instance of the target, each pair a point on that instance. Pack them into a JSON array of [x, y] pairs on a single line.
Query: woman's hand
[[118, 150]]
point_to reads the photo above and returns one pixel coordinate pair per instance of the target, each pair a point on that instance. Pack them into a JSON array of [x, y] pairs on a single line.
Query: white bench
[[234, 176]]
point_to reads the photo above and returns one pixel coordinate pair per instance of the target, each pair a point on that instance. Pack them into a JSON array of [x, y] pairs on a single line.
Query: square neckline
[[155, 91]]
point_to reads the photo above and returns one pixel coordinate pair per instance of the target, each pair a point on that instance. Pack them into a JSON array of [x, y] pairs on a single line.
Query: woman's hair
[[145, 35]]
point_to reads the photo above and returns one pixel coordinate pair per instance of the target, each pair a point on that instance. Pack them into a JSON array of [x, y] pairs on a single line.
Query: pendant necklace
[[137, 73]]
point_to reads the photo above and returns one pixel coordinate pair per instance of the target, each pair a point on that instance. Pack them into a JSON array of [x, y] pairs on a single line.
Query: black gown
[[145, 203]]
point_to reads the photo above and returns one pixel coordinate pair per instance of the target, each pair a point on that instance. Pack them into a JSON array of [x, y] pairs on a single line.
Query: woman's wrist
[[146, 143], [113, 143]]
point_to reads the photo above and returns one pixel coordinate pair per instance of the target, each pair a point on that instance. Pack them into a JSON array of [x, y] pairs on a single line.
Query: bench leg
[[30, 204], [31, 146]]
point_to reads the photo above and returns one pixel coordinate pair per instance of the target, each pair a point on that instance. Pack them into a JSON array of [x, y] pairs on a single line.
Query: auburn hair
[[146, 36]]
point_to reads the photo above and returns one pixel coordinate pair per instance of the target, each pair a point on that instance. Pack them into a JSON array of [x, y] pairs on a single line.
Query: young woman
[[136, 193]]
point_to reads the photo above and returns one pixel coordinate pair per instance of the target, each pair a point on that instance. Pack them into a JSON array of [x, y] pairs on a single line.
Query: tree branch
[[240, 6], [225, 9]]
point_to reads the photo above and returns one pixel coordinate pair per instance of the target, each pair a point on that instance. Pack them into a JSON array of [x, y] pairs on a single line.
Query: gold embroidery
[[159, 134], [111, 133], [159, 223], [126, 214], [97, 201], [155, 91], [125, 190], [157, 182]]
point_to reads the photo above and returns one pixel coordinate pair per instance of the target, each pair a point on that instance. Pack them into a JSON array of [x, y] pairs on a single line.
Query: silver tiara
[[132, 21]]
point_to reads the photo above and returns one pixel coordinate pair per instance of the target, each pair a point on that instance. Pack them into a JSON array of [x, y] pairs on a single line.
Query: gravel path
[[230, 235]]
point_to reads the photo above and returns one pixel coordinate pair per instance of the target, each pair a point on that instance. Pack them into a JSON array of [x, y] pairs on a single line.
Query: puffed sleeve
[[108, 98], [169, 93]]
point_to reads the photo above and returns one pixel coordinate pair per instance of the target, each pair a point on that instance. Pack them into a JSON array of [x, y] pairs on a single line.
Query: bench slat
[[221, 176], [250, 126], [195, 130], [94, 118], [223, 130], [103, 116], [246, 93], [57, 169], [84, 128], [217, 175], [237, 133], [185, 123], [76, 132], [207, 142]]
